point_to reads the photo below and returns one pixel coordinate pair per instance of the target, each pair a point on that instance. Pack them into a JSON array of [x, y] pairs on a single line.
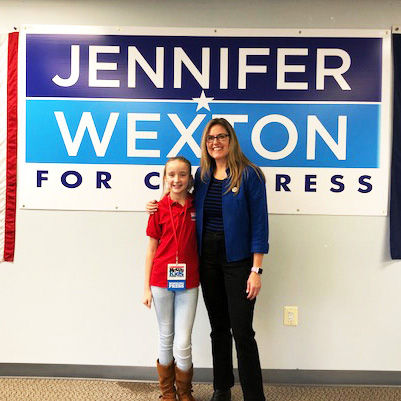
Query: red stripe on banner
[[12, 129]]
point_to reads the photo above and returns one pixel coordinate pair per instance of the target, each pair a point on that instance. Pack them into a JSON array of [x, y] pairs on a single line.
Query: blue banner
[[105, 111]]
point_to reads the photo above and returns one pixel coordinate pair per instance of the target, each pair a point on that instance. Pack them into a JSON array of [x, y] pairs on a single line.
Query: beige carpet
[[101, 390]]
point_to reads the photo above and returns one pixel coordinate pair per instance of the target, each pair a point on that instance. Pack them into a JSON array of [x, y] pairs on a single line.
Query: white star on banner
[[203, 101]]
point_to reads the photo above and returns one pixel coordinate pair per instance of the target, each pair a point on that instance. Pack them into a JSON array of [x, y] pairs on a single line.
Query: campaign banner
[[105, 109]]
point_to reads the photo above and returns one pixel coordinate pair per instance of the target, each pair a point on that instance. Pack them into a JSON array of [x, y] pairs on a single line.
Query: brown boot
[[183, 380], [166, 381]]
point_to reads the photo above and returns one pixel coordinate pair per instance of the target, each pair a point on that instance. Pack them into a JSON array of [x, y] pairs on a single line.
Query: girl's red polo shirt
[[160, 228]]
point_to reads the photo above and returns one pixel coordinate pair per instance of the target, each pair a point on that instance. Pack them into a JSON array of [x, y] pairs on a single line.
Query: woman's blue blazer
[[245, 215]]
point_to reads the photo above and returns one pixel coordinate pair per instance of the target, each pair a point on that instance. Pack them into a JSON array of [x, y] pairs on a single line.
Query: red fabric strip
[[12, 130]]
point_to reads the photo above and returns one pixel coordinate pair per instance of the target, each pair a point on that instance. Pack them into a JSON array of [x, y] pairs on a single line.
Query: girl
[[172, 278]]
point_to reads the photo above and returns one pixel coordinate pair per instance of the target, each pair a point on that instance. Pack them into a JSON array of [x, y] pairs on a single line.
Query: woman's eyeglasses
[[220, 138]]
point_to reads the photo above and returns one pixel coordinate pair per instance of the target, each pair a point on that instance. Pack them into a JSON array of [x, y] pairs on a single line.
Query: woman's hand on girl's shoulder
[[147, 298], [152, 206]]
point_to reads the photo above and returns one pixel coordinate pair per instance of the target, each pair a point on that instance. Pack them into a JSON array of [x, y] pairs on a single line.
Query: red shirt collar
[[189, 201]]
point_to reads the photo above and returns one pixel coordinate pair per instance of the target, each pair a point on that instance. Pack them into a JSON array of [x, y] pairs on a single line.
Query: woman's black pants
[[231, 315]]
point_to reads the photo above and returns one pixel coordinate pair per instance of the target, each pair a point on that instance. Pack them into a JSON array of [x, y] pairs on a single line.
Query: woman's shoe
[[221, 395]]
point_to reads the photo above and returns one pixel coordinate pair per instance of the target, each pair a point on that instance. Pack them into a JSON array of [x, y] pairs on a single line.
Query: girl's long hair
[[191, 179], [236, 160]]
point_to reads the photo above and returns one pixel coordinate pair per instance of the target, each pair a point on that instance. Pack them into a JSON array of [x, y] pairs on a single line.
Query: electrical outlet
[[290, 315]]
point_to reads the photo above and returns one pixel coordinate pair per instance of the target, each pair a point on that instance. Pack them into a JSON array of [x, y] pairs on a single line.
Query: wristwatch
[[258, 270]]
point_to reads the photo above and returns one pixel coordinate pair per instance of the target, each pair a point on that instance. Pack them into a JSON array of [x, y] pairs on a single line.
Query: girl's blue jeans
[[175, 312]]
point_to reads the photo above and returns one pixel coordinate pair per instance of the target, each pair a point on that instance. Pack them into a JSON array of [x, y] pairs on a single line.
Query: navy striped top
[[213, 217]]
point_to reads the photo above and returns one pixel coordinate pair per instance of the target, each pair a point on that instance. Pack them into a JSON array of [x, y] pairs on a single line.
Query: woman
[[232, 233]]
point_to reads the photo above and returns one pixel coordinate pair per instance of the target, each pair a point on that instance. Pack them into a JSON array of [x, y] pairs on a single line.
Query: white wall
[[73, 293]]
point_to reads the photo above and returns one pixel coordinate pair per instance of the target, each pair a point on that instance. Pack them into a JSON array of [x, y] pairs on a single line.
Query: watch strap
[[258, 270]]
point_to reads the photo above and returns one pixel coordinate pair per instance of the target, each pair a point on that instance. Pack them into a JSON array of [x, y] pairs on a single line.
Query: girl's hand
[[152, 206], [147, 298], [254, 284]]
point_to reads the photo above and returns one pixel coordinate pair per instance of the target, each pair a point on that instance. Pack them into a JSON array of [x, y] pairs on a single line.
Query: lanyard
[[177, 239]]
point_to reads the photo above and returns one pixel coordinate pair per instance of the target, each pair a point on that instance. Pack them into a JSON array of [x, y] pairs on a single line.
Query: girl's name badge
[[176, 276]]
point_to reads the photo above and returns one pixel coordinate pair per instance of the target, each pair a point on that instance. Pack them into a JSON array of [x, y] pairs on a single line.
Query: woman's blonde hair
[[191, 178], [236, 160]]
